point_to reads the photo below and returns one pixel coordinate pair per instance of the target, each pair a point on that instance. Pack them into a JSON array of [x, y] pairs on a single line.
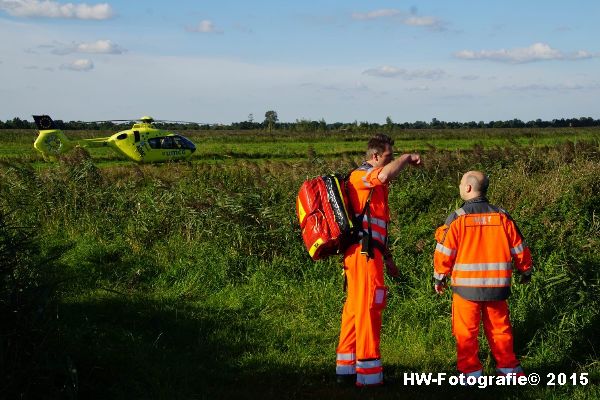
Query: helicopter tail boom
[[50, 141]]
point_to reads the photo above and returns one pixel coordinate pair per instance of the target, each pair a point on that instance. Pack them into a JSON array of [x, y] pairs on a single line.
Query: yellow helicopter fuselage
[[144, 143]]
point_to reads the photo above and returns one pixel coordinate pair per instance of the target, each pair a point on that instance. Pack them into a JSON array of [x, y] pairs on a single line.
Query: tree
[[322, 125], [270, 119], [389, 123]]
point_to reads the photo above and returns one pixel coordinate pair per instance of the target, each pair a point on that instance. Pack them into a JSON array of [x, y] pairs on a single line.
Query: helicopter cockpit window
[[168, 142], [171, 142], [185, 143], [154, 143]]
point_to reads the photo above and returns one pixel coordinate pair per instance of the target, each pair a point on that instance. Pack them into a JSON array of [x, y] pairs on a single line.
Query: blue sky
[[219, 61]]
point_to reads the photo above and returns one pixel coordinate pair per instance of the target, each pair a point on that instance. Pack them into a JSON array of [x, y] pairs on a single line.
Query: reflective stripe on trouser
[[369, 372], [345, 364], [476, 374], [466, 316], [505, 371], [361, 319]]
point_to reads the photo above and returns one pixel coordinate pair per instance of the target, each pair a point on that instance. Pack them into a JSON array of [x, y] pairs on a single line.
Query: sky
[[342, 61]]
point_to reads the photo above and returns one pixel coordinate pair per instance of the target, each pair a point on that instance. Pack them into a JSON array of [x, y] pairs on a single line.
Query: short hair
[[479, 185], [378, 143]]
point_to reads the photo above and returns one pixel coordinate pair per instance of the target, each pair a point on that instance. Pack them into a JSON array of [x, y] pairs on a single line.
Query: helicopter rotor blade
[[176, 122], [136, 120], [108, 120]]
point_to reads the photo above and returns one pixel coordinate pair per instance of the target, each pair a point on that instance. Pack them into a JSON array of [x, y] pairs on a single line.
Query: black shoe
[[374, 385], [345, 380]]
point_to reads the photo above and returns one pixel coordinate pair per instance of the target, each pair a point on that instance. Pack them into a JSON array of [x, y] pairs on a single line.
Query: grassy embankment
[[191, 281]]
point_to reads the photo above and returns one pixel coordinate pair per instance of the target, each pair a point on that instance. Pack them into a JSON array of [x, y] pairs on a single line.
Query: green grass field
[[249, 145], [190, 280]]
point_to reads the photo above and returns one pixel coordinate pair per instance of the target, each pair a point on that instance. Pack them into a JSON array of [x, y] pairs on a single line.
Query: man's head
[[380, 150], [473, 184]]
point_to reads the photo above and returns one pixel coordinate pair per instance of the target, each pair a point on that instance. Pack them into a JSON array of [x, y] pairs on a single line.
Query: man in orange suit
[[477, 247], [358, 355]]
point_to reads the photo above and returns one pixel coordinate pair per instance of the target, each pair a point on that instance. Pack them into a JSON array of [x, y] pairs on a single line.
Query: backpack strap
[[367, 241]]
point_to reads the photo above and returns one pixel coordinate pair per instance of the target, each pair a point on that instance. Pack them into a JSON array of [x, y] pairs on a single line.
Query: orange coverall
[[477, 246], [358, 349]]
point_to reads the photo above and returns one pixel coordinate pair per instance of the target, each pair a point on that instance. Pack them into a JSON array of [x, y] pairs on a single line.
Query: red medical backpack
[[325, 216]]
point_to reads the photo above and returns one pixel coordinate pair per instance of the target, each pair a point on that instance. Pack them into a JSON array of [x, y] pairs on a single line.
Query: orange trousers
[[466, 316], [358, 349]]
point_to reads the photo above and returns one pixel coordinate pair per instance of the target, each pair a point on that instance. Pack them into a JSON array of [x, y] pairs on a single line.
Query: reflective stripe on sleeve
[[439, 277], [518, 249], [505, 266], [445, 250], [460, 212], [364, 178], [481, 281]]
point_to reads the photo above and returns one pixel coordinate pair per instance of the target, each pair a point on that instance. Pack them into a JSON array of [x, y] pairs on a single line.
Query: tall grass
[[191, 280]]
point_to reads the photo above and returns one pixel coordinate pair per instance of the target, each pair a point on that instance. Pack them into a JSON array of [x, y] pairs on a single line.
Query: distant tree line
[[271, 122]]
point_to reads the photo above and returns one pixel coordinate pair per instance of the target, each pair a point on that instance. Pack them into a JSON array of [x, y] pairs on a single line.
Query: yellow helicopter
[[142, 143]]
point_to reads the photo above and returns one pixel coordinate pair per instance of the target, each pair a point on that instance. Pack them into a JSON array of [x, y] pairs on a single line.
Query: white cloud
[[422, 21], [535, 52], [387, 71], [346, 88], [561, 87], [82, 64], [418, 89], [382, 13], [54, 9], [205, 26], [403, 17], [97, 47], [100, 46]]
